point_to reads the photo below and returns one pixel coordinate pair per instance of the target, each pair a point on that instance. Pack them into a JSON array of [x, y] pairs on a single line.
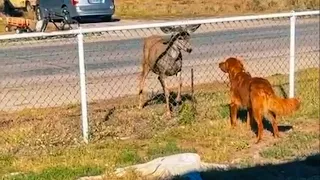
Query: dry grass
[[190, 8], [46, 143], [1, 5], [2, 26], [148, 9]]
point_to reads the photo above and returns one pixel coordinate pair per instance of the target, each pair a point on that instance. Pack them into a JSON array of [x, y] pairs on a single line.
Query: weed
[[6, 162], [65, 173], [293, 145], [169, 148], [128, 157], [278, 152], [187, 114], [224, 111]]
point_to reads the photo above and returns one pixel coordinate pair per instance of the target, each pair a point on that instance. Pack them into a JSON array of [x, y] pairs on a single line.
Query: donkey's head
[[181, 41], [181, 36]]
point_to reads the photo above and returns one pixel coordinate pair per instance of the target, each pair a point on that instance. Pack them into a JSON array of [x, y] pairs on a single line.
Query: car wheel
[[107, 18], [78, 19]]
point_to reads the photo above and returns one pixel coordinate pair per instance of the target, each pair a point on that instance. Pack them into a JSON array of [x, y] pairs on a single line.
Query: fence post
[[292, 54], [83, 93]]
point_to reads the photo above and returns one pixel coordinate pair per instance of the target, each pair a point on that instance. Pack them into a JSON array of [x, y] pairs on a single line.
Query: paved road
[[116, 22], [47, 75]]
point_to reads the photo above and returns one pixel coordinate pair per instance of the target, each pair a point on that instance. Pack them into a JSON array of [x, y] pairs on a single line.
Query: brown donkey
[[164, 58]]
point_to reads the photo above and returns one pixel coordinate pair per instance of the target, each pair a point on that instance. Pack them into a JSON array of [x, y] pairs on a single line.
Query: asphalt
[[30, 68]]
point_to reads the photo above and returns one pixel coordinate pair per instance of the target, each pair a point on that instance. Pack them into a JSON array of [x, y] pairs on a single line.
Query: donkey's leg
[[166, 93], [178, 99], [143, 76]]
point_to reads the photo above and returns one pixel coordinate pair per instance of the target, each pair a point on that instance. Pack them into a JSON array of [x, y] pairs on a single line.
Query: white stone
[[169, 166]]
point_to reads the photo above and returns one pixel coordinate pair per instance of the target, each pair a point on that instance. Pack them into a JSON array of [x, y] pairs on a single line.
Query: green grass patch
[[187, 114], [129, 157], [65, 173], [166, 148], [293, 145], [6, 163]]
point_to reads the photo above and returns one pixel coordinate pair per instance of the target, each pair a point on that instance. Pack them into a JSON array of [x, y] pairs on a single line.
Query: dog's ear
[[241, 64], [240, 59]]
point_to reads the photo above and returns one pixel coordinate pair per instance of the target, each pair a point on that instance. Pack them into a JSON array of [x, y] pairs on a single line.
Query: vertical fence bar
[[83, 93], [292, 54]]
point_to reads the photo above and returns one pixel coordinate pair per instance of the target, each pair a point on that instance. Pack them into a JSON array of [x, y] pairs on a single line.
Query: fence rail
[[100, 71], [163, 24]]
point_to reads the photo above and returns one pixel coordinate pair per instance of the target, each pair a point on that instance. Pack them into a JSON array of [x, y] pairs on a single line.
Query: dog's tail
[[281, 106]]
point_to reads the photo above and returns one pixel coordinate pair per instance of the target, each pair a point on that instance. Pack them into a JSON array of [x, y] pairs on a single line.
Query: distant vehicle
[[19, 24], [27, 5], [76, 8]]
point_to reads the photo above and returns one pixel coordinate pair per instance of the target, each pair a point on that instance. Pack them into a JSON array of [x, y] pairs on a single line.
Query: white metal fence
[[102, 65]]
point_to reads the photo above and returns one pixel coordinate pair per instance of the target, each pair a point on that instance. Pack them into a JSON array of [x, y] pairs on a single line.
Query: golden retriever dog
[[256, 95]]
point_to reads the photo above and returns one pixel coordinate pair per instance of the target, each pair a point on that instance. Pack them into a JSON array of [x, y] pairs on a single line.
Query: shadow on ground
[[299, 169], [242, 115], [160, 99], [89, 20]]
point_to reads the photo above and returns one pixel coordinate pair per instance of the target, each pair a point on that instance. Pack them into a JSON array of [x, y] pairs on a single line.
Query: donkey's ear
[[192, 28], [167, 29]]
